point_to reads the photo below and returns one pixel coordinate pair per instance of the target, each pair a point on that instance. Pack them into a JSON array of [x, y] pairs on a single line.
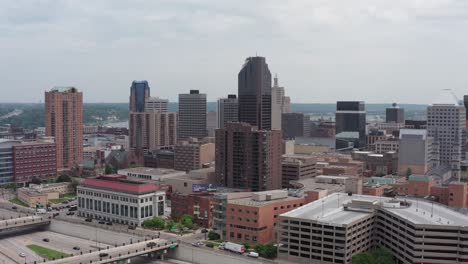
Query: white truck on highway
[[233, 247]]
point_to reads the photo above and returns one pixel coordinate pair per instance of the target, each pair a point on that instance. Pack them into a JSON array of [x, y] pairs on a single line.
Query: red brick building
[[34, 160], [247, 158], [253, 219], [200, 206], [64, 122]]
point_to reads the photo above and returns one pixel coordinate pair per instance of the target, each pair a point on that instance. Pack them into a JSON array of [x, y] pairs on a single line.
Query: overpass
[[120, 254], [12, 225]]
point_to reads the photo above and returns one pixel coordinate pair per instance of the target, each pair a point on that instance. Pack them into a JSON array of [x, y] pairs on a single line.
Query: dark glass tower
[[465, 102], [139, 92], [350, 124], [254, 91], [395, 114]]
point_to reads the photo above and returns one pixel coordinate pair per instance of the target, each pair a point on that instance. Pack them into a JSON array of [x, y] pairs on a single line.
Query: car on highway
[[70, 213], [132, 227], [55, 214], [102, 222], [45, 239], [65, 202], [88, 220], [14, 207], [198, 244], [109, 223], [151, 244], [76, 248], [102, 255], [210, 245], [252, 254], [21, 254]]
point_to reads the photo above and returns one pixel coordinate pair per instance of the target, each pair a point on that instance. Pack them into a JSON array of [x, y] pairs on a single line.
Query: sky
[[379, 51]]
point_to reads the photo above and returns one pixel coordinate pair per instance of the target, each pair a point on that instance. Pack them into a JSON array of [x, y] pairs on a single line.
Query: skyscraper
[[247, 158], [192, 115], [64, 122], [139, 92], [445, 123], [280, 104], [228, 110], [465, 102], [395, 114], [156, 104], [254, 91], [350, 124]]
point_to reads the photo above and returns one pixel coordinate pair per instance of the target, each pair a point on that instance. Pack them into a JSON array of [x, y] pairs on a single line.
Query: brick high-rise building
[[192, 115], [228, 110], [191, 155], [152, 130], [247, 158], [64, 122], [254, 91], [137, 122]]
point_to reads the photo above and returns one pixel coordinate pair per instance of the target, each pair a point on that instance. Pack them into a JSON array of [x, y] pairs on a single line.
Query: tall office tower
[[152, 130], [350, 124], [247, 158], [280, 104], [395, 114], [64, 122], [465, 102], [417, 154], [445, 123], [254, 91], [192, 115], [228, 110], [156, 104], [211, 123], [139, 92]]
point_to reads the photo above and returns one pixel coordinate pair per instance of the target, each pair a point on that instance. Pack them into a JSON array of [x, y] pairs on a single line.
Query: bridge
[[8, 226], [154, 247]]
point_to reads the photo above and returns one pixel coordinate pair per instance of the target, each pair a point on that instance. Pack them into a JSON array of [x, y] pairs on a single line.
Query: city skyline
[[321, 50]]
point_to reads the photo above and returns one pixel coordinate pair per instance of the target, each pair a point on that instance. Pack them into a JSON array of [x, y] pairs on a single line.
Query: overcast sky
[[379, 51]]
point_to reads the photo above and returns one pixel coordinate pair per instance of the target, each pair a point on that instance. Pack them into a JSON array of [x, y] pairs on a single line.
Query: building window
[[231, 235], [239, 236], [254, 238]]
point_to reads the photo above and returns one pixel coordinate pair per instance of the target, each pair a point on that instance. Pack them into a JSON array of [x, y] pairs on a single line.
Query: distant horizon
[[334, 103]]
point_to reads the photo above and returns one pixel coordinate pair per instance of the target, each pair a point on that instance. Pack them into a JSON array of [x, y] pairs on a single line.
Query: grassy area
[[18, 202], [47, 252], [63, 199]]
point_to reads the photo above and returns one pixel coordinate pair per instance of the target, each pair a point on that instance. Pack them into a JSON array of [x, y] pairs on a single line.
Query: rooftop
[[120, 186], [249, 201], [153, 171], [330, 210]]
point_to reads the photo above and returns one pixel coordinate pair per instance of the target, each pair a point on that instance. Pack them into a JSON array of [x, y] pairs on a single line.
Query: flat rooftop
[[311, 184], [330, 210], [152, 171], [248, 201]]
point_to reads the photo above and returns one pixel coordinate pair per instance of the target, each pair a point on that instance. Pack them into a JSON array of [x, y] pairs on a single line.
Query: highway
[[114, 254]]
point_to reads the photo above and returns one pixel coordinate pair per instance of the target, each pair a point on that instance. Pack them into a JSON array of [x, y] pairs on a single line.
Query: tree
[[109, 169], [156, 222], [247, 245], [187, 221], [213, 235], [63, 178], [74, 184], [409, 172], [266, 251], [383, 256], [169, 224], [363, 258]]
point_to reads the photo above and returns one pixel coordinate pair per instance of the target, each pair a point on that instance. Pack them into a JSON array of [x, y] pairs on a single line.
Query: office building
[[253, 219], [152, 130], [192, 115], [446, 120], [295, 125], [193, 154], [40, 194], [197, 205], [417, 153], [280, 104], [465, 102], [377, 164], [297, 167], [139, 93], [247, 158], [395, 114], [350, 124], [211, 123], [115, 199], [228, 110], [64, 122], [254, 92], [156, 104], [339, 226]]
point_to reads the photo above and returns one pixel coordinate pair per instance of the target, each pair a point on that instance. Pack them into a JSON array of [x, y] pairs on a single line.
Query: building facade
[[156, 104], [64, 122], [193, 154], [192, 115], [139, 93], [446, 121], [199, 206], [337, 227], [295, 125], [395, 114], [152, 130], [34, 160], [228, 110], [297, 167], [254, 92], [417, 154], [125, 202], [247, 158], [351, 124]]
